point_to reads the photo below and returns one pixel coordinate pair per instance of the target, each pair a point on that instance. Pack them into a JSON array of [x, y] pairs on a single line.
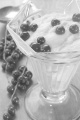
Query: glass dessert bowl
[[54, 66], [54, 98]]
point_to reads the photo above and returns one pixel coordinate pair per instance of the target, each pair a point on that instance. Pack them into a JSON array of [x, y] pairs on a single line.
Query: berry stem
[[15, 90], [18, 83]]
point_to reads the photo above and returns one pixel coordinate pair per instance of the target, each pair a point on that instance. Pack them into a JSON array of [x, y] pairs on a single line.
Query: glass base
[[39, 109]]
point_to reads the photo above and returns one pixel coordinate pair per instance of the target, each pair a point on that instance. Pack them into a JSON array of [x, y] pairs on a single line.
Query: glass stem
[[54, 98]]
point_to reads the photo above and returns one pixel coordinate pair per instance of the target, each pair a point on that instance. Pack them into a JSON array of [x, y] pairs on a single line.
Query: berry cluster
[[25, 28], [10, 114], [21, 81], [12, 60], [40, 45], [22, 78], [11, 54]]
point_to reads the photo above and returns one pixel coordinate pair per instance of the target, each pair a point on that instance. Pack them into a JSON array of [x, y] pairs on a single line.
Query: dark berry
[[74, 29], [10, 89], [46, 48], [25, 27], [1, 56], [60, 30], [15, 100], [76, 17], [10, 67], [55, 22], [2, 43], [33, 27], [11, 110], [19, 86], [19, 52], [7, 44], [16, 74], [10, 60], [12, 46], [22, 87], [2, 40], [25, 35], [15, 56], [9, 37], [7, 52], [36, 47], [22, 80], [28, 74], [28, 82], [22, 68], [4, 66], [1, 47], [6, 116], [14, 82], [41, 40]]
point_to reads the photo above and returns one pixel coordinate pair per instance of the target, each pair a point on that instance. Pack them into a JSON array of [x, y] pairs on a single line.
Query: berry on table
[[15, 56], [15, 100], [60, 30], [2, 43], [28, 74], [10, 67], [22, 80], [25, 35], [46, 48], [10, 60], [74, 29], [4, 66], [2, 40], [19, 52], [11, 110], [7, 44], [22, 87], [6, 116], [14, 82], [1, 48], [36, 47], [22, 68], [41, 40], [7, 52], [16, 74], [10, 89], [33, 27], [55, 22], [1, 56], [9, 37], [76, 17], [12, 46], [28, 82]]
